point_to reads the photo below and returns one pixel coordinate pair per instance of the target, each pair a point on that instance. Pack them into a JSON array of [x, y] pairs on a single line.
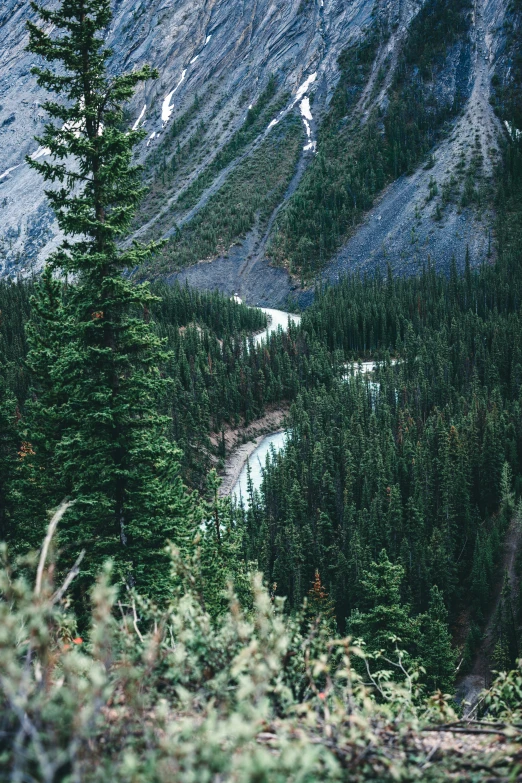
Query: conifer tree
[[114, 458], [506, 492], [40, 477], [9, 443], [436, 652], [220, 555], [386, 618], [319, 602]]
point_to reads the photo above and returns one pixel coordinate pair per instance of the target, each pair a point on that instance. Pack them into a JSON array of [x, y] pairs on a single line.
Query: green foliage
[[385, 499], [435, 649], [437, 26], [356, 160], [257, 119], [334, 185], [167, 164], [217, 377], [504, 699], [150, 694], [178, 306], [387, 625], [384, 620], [94, 355], [9, 450], [247, 198], [417, 472], [506, 650], [412, 459], [15, 308], [41, 479]]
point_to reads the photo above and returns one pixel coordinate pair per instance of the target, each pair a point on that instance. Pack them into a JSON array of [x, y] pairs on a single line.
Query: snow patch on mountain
[[8, 171], [306, 114], [167, 108], [138, 121], [303, 89], [515, 133]]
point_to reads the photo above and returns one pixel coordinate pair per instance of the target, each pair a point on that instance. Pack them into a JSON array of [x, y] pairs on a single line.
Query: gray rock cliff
[[222, 54]]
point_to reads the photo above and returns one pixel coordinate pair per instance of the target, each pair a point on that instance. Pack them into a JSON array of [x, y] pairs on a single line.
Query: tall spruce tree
[[40, 480], [112, 451], [9, 446], [385, 618], [436, 652]]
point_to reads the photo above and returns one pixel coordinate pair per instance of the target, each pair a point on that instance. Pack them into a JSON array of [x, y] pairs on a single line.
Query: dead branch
[[135, 621], [53, 524], [75, 570]]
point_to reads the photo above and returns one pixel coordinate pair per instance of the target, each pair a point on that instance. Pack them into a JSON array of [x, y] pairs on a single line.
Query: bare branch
[[373, 681], [135, 621], [464, 730], [59, 594], [53, 524]]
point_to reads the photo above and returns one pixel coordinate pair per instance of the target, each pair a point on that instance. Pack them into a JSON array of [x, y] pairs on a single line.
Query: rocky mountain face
[[428, 213], [242, 118]]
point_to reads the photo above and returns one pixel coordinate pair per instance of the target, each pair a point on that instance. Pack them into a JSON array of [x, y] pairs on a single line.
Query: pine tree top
[[95, 186]]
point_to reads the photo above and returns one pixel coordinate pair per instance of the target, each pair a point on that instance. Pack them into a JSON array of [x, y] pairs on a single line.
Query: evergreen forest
[[152, 629]]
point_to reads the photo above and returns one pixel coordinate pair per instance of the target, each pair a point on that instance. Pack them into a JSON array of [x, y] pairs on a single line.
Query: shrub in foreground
[[169, 694]]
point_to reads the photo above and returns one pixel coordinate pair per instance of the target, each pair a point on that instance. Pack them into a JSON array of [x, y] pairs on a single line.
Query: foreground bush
[[170, 695]]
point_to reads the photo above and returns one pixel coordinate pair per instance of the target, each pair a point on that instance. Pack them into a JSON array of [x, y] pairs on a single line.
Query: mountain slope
[[409, 223], [310, 136], [221, 50]]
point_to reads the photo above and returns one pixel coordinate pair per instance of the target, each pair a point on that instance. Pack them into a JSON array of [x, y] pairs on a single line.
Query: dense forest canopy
[[383, 521], [414, 462]]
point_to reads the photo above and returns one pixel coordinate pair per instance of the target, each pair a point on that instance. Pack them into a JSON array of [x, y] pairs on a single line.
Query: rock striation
[[215, 58], [222, 49]]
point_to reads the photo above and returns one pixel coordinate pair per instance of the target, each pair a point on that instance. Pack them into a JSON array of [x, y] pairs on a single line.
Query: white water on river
[[276, 441], [257, 461], [276, 319]]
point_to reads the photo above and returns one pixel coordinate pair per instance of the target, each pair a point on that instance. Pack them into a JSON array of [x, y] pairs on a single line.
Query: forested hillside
[[355, 162], [320, 628], [281, 146]]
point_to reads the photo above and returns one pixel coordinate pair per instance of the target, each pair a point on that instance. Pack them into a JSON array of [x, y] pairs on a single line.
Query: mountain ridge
[[216, 60]]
